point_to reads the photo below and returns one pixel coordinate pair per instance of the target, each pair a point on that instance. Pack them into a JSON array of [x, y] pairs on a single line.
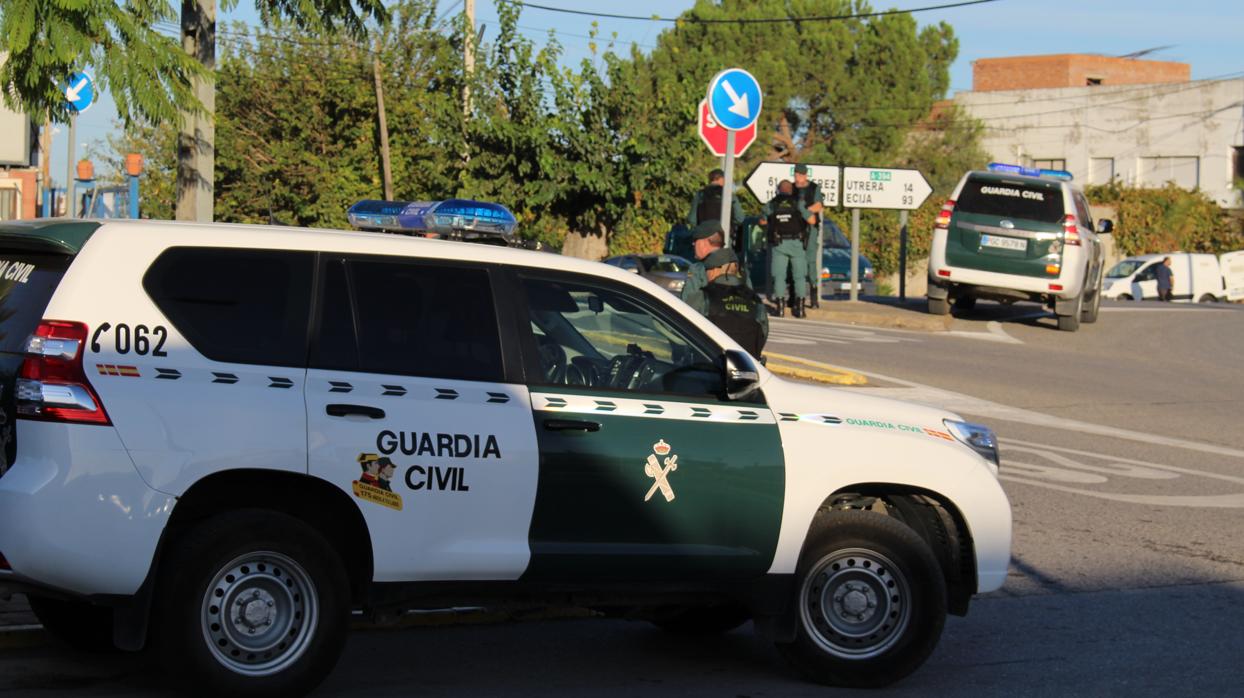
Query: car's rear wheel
[[252, 603], [78, 624], [871, 601], [1071, 321], [939, 306], [1090, 310]]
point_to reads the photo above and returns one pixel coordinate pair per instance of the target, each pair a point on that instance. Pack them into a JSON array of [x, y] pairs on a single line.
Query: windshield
[[1033, 201], [833, 238], [668, 263], [1125, 268]]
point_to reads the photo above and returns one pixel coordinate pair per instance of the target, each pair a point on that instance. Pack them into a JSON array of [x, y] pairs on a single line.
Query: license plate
[[1004, 243]]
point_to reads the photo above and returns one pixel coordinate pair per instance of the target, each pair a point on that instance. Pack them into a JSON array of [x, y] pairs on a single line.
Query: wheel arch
[[933, 516], [315, 502]]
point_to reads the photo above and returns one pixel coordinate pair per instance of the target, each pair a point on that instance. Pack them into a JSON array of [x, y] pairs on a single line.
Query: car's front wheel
[[871, 601], [252, 603]]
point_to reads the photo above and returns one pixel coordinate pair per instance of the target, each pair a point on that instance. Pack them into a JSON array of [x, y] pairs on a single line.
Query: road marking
[[1168, 309], [823, 373], [1069, 472], [958, 402]]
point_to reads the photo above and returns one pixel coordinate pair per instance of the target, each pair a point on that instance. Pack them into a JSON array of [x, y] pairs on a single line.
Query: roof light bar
[[462, 218], [1028, 171]]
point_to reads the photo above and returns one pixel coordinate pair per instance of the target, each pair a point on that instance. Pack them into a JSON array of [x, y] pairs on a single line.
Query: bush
[[1151, 221]]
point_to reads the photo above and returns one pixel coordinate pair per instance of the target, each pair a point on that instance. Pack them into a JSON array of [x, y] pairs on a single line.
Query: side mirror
[[741, 376], [1105, 226]]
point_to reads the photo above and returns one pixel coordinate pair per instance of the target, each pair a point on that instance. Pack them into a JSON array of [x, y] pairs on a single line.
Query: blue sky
[[1205, 33]]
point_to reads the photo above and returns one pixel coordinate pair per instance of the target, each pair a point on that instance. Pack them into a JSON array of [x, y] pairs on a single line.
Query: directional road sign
[[734, 99], [79, 91], [871, 187], [764, 179], [714, 136]]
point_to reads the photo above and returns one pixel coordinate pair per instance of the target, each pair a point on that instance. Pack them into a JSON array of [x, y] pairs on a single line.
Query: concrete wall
[[1071, 70], [1141, 135], [25, 181]]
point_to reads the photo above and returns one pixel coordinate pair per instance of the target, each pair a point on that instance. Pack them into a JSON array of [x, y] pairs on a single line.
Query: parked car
[[668, 271], [1013, 234], [1198, 277], [219, 440], [836, 262]]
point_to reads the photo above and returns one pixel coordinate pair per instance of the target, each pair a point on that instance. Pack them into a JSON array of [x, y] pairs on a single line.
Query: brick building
[[1072, 70]]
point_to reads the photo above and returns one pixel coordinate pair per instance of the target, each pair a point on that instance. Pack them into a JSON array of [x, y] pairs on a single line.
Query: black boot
[[781, 308], [796, 308]]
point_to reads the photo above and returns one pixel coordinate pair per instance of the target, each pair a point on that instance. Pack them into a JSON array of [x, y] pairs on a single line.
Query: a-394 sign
[[714, 135], [875, 187]]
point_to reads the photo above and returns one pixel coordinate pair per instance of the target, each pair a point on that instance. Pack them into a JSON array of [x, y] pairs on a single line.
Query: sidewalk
[[881, 311]]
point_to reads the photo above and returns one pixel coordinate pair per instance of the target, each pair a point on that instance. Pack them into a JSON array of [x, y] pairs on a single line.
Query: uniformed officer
[[814, 200], [706, 238], [787, 219], [706, 205], [731, 304]]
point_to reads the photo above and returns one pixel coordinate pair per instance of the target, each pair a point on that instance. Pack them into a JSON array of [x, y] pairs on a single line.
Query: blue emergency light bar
[[1028, 171], [448, 218]]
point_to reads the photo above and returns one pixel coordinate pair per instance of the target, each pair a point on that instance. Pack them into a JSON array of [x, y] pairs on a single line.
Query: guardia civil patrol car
[[219, 440], [1015, 233]]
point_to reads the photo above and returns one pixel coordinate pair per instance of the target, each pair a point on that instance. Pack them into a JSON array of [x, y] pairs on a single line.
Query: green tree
[[158, 146]]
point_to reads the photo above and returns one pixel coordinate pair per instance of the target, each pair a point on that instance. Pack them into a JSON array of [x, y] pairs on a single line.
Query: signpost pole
[[902, 255], [727, 190], [816, 255], [855, 254], [69, 180]]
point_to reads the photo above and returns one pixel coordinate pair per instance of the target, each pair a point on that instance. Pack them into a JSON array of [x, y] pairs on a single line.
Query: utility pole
[[384, 125], [69, 176], [196, 143], [468, 72]]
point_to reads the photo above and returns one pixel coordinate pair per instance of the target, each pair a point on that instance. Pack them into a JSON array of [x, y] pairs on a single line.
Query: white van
[[1197, 278], [1232, 266]]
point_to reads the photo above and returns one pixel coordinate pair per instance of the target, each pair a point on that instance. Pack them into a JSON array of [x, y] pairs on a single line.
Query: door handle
[[338, 410], [570, 425]]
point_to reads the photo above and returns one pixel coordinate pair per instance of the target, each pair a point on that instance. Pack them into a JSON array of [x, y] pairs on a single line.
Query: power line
[[763, 20]]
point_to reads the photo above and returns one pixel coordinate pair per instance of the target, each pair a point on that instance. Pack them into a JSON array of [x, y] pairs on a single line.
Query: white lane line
[[958, 402], [788, 339], [1168, 309]]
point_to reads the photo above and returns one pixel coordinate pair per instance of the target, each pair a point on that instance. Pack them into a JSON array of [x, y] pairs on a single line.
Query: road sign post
[[79, 91], [884, 188], [902, 255], [734, 102]]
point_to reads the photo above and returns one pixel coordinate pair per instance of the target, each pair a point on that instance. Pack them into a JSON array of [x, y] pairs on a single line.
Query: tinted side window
[[1012, 199], [425, 320], [335, 346], [236, 305]]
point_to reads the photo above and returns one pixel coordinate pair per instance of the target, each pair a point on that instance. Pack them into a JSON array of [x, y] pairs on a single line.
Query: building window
[[1183, 172], [1092, 82], [1050, 163], [1101, 170], [10, 203], [1238, 156]]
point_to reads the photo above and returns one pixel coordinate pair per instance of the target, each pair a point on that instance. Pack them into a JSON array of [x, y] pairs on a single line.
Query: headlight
[[977, 437]]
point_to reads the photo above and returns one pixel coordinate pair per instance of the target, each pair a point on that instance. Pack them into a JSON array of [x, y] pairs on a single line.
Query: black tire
[[865, 640], [1125, 296], [80, 625], [965, 304], [282, 592], [702, 620], [1208, 298], [939, 306], [1088, 314], [1071, 323]]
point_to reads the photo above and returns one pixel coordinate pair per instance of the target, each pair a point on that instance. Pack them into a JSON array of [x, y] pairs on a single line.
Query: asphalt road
[[1123, 455]]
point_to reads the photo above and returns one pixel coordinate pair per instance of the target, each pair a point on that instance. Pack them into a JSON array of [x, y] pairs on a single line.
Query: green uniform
[[714, 193], [811, 194], [693, 289], [786, 217]]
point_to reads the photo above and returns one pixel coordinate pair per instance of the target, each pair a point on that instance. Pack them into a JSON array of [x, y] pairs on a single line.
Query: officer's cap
[[801, 169], [720, 258], [706, 229]]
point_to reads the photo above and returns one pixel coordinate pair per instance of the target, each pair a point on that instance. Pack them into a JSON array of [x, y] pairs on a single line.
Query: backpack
[[733, 309]]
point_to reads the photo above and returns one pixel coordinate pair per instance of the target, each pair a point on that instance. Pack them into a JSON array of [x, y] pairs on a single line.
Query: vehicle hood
[[838, 260]]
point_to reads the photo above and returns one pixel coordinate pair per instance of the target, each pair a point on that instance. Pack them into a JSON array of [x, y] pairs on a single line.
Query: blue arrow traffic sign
[[80, 91], [734, 99]]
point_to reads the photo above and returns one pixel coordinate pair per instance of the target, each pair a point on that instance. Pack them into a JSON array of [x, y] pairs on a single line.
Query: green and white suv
[[1014, 234]]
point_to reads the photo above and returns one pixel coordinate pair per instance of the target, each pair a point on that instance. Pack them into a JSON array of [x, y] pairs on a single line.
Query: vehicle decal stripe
[[649, 408]]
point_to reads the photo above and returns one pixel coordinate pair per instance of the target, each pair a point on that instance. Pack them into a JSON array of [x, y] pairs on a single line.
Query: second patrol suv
[[1014, 233], [219, 440]]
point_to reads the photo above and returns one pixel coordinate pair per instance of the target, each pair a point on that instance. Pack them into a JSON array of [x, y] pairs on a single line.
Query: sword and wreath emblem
[[653, 469]]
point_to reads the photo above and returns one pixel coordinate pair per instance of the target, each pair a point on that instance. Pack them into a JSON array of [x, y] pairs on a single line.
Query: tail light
[[52, 385], [1071, 233], [943, 217]]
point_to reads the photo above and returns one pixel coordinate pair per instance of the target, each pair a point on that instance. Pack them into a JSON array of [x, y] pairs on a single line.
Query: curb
[[814, 371], [899, 319]]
